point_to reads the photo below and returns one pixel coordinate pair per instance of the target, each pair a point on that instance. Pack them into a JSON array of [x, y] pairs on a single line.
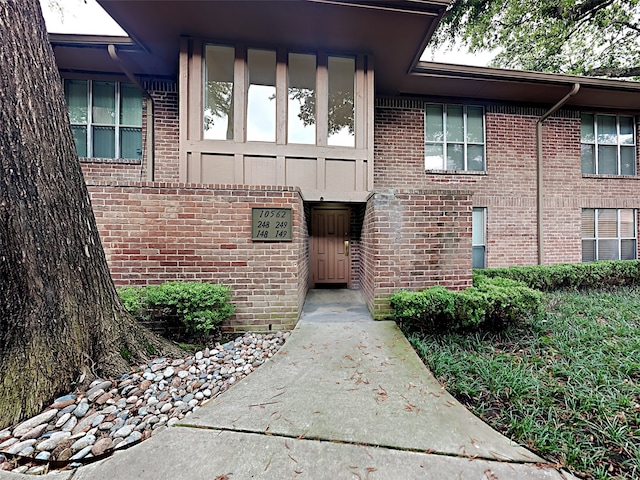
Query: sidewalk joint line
[[361, 444]]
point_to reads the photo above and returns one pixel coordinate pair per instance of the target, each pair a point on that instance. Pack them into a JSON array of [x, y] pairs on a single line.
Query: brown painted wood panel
[[330, 255]]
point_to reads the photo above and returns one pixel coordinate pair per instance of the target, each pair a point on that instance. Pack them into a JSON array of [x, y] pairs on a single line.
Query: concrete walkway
[[345, 398]]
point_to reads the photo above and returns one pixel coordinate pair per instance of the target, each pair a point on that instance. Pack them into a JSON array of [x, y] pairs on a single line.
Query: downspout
[[540, 216], [150, 111]]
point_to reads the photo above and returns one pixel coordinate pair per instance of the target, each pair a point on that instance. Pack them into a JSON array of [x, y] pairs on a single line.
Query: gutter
[[540, 183], [150, 111]]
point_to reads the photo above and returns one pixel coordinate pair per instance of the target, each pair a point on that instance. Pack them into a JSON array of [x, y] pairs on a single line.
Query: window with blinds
[[609, 234], [478, 237], [454, 137], [106, 118], [608, 144]]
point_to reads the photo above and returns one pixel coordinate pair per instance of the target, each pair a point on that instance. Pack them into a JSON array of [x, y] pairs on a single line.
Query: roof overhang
[[88, 55], [395, 32], [498, 85]]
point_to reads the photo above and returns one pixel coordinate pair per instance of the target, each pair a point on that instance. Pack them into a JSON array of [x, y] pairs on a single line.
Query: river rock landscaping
[[112, 414]]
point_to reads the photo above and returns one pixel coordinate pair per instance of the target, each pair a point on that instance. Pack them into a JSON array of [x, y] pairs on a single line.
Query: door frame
[[312, 238]]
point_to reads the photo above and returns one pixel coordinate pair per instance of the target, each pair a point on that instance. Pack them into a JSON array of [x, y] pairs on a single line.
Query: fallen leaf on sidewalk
[[411, 408], [381, 394], [490, 475]]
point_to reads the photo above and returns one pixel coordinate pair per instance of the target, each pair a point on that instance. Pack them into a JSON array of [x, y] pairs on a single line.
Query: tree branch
[[631, 26], [588, 8], [614, 72]]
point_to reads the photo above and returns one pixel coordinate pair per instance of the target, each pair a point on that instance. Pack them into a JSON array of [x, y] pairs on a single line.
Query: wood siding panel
[[301, 172], [216, 169], [260, 171], [340, 175]]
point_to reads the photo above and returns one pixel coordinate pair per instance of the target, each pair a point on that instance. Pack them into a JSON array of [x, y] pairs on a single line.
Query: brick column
[[414, 239]]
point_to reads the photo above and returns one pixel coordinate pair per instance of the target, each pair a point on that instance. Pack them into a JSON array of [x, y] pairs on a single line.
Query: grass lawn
[[566, 386]]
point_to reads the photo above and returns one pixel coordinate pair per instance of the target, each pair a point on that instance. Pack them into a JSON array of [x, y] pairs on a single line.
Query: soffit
[[498, 85], [88, 56], [394, 31]]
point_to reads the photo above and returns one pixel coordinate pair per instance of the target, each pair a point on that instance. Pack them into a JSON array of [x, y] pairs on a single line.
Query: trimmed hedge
[[199, 307], [492, 303], [565, 276]]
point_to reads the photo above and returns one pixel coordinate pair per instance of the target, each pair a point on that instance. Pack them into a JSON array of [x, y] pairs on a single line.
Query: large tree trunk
[[60, 314]]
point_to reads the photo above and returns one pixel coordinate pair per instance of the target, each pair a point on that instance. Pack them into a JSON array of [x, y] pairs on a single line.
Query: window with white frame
[[479, 237], [218, 92], [609, 234], [608, 144], [454, 137], [302, 93], [106, 118]]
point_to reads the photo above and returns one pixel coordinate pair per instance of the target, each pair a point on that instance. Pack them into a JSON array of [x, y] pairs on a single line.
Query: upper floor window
[[261, 96], [341, 96], [106, 118], [608, 144], [264, 86], [301, 101], [454, 137], [609, 234], [218, 92]]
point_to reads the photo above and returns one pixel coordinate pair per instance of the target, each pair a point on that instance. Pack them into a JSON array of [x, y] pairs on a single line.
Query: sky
[[87, 17], [78, 16]]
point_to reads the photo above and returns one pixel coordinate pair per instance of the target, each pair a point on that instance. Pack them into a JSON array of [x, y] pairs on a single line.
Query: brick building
[[281, 147]]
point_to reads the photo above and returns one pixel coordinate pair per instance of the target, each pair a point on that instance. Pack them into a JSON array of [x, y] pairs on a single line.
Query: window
[[609, 234], [261, 96], [608, 144], [106, 118], [478, 237], [218, 92], [301, 125], [454, 137], [301, 89], [341, 90]]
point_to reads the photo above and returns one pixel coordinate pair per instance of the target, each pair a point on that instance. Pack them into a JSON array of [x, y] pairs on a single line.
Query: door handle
[[346, 248]]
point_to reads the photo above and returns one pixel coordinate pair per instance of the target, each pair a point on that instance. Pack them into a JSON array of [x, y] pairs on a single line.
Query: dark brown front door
[[330, 246]]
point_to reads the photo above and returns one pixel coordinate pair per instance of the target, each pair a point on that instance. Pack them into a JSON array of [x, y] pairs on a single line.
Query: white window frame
[[618, 145], [321, 93], [597, 238], [465, 143], [116, 125], [474, 246]]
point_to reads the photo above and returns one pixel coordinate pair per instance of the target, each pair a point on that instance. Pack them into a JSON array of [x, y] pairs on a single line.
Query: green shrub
[[430, 308], [131, 298], [569, 276], [490, 304], [201, 307]]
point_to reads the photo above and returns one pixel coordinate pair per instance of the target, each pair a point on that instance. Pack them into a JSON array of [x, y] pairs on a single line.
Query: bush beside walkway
[[566, 383]]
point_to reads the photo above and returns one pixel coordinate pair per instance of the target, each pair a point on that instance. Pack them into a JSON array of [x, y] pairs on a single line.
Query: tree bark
[[60, 317]]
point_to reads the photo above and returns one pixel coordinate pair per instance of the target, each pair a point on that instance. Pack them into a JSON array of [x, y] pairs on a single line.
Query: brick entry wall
[[414, 239], [154, 233]]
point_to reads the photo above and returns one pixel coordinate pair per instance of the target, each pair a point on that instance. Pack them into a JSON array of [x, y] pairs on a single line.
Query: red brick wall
[[414, 239], [167, 135], [154, 233], [368, 260], [508, 188], [107, 169]]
